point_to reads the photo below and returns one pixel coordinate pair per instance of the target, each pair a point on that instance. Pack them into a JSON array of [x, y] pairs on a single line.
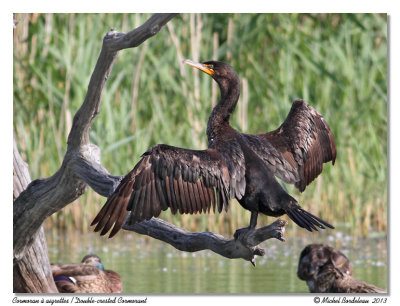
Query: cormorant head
[[221, 72]]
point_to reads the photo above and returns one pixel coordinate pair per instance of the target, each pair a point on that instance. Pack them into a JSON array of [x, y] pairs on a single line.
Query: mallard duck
[[87, 277], [328, 270]]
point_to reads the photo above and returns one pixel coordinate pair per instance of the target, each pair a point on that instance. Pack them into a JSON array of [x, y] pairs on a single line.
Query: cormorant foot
[[241, 231]]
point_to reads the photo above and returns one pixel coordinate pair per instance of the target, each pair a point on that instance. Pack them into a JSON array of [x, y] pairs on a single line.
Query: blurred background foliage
[[337, 62]]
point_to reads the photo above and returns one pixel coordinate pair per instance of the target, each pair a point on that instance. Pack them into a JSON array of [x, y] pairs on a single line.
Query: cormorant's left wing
[[297, 150]]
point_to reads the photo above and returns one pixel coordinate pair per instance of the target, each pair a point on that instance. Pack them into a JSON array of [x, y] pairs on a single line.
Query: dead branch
[[81, 167], [246, 246]]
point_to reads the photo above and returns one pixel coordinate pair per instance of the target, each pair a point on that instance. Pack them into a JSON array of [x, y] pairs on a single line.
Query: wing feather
[[192, 199], [297, 150], [161, 193], [202, 199], [168, 177], [197, 197], [211, 197], [207, 200], [147, 205], [187, 200]]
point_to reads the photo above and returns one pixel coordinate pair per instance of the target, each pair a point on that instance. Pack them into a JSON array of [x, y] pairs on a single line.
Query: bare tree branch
[[245, 247], [81, 164], [112, 43], [81, 167]]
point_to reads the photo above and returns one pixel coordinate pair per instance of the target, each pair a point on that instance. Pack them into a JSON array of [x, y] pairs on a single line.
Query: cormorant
[[235, 165], [328, 270]]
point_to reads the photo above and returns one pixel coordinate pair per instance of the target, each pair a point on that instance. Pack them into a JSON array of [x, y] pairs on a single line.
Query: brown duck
[[235, 165], [87, 277], [328, 270]]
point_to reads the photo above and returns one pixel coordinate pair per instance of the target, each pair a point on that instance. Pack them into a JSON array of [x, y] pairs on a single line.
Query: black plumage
[[235, 165]]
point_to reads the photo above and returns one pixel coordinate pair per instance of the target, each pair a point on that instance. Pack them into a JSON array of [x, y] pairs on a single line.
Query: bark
[[245, 247], [81, 165], [81, 168], [32, 272]]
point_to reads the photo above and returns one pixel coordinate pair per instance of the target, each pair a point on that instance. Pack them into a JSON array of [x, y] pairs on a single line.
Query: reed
[[337, 62]]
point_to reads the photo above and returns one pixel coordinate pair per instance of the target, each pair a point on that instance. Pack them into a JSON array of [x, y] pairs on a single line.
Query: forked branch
[[81, 167], [245, 247]]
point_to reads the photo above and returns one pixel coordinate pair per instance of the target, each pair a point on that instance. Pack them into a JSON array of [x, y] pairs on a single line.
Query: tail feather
[[320, 220], [297, 220], [309, 217], [306, 220]]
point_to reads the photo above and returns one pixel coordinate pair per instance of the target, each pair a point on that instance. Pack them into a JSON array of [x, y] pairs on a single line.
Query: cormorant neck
[[230, 92]]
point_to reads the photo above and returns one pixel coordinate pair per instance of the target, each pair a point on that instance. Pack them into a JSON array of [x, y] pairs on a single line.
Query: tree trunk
[[35, 201], [32, 272]]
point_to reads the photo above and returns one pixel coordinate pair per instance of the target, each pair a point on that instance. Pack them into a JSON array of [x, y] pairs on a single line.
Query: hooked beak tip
[[199, 66]]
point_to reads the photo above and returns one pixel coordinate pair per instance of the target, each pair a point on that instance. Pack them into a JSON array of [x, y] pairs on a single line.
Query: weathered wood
[[32, 272], [245, 247], [81, 164], [112, 43]]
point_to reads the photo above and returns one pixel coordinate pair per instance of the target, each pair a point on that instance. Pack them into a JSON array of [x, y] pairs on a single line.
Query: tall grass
[[337, 62]]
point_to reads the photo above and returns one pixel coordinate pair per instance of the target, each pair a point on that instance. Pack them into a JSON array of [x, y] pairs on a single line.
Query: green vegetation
[[337, 62]]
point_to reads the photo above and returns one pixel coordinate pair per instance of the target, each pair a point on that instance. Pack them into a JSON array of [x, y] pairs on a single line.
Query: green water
[[151, 266]]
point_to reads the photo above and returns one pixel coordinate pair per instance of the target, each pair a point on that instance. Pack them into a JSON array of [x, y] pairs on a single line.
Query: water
[[147, 265]]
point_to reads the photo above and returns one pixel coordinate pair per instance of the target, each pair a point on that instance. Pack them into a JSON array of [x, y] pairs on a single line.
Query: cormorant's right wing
[[186, 181]]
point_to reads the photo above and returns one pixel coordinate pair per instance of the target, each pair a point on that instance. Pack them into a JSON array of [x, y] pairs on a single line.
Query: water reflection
[[150, 266]]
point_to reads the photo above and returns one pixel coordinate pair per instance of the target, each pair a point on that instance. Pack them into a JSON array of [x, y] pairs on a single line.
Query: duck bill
[[200, 66]]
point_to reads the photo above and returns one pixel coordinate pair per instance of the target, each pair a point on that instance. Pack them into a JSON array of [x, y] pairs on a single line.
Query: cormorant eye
[[211, 66]]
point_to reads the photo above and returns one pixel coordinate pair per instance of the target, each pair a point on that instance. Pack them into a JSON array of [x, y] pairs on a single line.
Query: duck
[[89, 276]]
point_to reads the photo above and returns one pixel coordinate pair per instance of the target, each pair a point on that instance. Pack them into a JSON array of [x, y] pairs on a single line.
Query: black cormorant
[[235, 165]]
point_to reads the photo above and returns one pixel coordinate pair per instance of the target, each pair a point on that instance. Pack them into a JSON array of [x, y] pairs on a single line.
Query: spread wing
[[297, 150], [186, 181]]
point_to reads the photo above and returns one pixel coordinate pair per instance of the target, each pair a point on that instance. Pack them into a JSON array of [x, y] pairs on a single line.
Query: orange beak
[[203, 67]]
